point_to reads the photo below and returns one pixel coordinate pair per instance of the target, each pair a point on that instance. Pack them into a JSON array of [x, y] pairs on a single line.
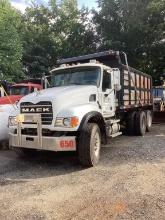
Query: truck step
[[116, 134], [113, 121]]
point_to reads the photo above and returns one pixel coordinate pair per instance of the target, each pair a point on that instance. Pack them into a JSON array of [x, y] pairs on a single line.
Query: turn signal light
[[74, 122]]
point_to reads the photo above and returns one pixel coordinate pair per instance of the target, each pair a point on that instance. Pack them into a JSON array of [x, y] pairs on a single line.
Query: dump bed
[[136, 89], [136, 86]]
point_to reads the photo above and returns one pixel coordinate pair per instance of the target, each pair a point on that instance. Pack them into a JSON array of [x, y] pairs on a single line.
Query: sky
[[21, 4], [89, 3]]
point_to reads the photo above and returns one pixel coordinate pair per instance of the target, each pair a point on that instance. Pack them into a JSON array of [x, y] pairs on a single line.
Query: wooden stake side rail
[[136, 89]]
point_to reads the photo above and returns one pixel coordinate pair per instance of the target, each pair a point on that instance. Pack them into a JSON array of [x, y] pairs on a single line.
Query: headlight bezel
[[72, 122], [66, 122]]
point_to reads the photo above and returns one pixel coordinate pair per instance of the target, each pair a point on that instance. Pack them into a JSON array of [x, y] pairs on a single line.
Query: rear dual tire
[[131, 123], [138, 122]]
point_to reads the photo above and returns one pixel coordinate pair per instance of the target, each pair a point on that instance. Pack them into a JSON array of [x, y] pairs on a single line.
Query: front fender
[[80, 111], [94, 117]]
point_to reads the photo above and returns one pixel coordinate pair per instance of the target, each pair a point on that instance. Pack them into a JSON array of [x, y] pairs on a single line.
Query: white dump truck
[[91, 98]]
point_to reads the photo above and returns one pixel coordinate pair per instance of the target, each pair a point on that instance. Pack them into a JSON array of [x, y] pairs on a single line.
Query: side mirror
[[109, 71], [117, 87], [107, 91], [17, 103]]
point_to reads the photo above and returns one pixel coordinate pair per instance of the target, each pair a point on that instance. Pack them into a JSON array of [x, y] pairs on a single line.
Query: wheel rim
[[149, 120], [143, 125], [96, 144]]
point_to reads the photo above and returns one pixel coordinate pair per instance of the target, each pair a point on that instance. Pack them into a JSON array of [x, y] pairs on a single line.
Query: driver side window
[[106, 81]]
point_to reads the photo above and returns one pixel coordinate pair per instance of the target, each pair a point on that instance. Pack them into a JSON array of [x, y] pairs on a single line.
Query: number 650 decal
[[67, 144]]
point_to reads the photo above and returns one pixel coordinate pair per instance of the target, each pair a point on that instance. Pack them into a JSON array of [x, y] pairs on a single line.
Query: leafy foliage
[[31, 43], [38, 44], [136, 27], [53, 32], [10, 42]]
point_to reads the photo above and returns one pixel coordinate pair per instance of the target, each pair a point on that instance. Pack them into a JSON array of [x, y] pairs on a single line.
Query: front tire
[[89, 144]]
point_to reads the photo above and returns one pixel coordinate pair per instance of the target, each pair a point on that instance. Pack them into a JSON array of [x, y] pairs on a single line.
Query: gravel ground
[[129, 183]]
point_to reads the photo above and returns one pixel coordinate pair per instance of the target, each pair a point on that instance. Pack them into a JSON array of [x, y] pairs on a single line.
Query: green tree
[[74, 29], [38, 44], [10, 42], [136, 27], [60, 30]]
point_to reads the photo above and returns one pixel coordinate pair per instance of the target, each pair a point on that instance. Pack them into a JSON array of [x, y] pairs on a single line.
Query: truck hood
[[13, 99], [62, 96]]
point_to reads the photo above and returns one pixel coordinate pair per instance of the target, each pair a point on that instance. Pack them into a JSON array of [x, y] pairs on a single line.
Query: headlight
[[69, 122], [66, 122], [12, 120]]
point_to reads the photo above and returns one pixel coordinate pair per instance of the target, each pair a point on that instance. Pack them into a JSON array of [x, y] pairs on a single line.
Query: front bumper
[[43, 143], [40, 142]]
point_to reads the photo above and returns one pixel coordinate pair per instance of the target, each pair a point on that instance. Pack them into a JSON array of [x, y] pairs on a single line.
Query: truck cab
[[8, 103], [17, 91], [87, 103], [91, 84]]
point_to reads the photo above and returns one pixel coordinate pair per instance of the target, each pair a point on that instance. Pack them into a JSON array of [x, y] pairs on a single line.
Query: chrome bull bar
[[40, 142], [30, 121]]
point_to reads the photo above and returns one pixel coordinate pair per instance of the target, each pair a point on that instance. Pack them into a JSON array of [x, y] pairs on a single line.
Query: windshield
[[19, 90], [76, 76]]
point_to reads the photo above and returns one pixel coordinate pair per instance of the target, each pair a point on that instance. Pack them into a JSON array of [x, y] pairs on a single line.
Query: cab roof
[[80, 65]]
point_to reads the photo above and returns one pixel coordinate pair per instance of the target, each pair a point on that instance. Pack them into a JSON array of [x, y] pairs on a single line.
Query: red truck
[[17, 91]]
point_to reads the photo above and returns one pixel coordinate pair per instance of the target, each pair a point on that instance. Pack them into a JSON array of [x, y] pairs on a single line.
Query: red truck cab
[[17, 91]]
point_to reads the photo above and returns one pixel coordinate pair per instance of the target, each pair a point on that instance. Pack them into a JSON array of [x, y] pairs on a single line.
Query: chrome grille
[[43, 108]]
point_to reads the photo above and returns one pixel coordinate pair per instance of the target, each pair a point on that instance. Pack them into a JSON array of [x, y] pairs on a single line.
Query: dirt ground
[[129, 183]]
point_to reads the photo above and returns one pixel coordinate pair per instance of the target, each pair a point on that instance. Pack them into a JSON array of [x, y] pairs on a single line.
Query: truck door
[[108, 94]]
